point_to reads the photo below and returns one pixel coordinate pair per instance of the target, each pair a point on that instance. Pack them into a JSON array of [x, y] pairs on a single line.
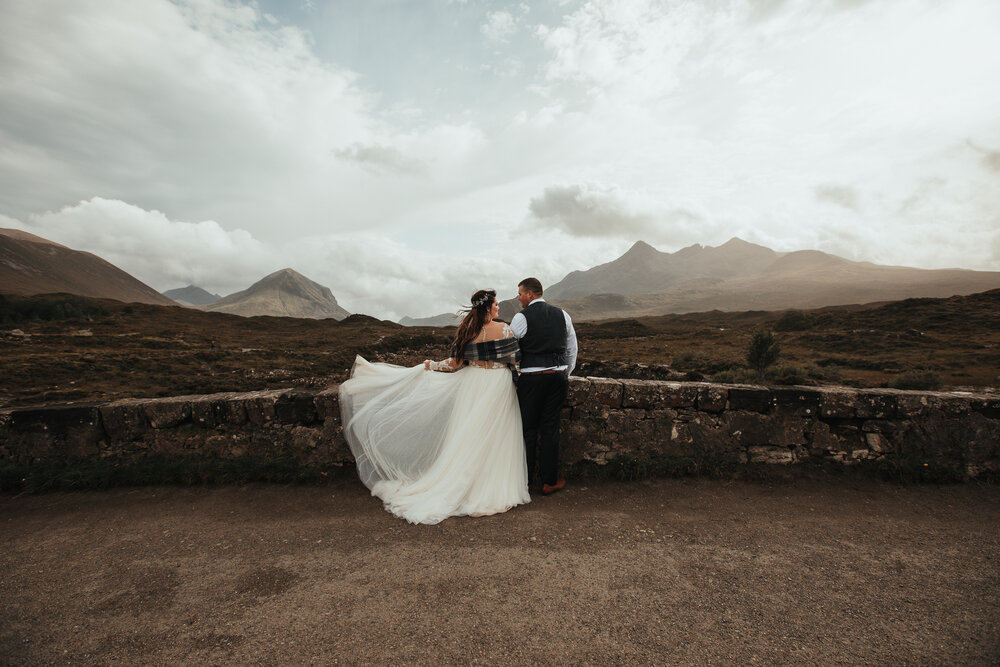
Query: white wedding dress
[[433, 445]]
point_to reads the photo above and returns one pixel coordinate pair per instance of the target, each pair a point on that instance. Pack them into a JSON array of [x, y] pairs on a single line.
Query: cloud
[[840, 195], [588, 210], [990, 158], [208, 109], [161, 252], [499, 26], [380, 159]]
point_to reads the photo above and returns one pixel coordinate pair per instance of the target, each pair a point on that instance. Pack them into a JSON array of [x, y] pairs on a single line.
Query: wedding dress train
[[433, 445]]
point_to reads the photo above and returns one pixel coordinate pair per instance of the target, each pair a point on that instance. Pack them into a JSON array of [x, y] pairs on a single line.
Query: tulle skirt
[[433, 445]]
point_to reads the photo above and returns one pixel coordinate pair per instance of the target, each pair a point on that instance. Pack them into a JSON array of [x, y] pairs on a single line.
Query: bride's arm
[[447, 366]]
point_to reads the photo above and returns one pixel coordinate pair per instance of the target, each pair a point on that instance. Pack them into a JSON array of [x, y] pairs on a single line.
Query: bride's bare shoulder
[[495, 329]]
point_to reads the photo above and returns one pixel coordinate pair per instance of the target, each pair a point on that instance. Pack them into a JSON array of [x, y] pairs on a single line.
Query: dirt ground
[[665, 572]]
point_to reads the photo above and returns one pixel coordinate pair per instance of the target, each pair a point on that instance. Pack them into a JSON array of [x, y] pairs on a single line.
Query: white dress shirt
[[519, 325]]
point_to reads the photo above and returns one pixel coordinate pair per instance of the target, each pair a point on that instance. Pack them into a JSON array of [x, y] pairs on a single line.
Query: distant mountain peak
[[736, 241], [284, 293], [192, 294], [640, 250], [640, 246]]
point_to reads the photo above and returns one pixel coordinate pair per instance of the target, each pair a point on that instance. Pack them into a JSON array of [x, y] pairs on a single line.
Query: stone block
[[295, 406], [304, 438], [801, 401], [259, 406], [748, 428], [53, 431], [579, 392], [709, 436], [787, 432], [124, 420], [837, 403], [219, 410], [770, 454], [167, 412], [606, 392], [822, 438], [882, 426], [950, 404], [877, 442], [987, 406], [754, 399], [912, 404], [712, 397], [328, 404], [877, 403], [661, 422], [642, 394], [653, 394]]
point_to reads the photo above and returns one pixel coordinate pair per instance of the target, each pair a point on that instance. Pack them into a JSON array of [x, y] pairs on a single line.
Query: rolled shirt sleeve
[[571, 344], [519, 326]]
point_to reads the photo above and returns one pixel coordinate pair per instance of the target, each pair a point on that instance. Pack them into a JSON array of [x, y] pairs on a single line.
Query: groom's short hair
[[532, 285]]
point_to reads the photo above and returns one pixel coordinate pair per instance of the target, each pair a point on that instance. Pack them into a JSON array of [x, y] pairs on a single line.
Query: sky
[[406, 153]]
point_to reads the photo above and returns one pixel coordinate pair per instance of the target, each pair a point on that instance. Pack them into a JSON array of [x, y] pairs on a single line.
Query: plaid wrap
[[504, 350]]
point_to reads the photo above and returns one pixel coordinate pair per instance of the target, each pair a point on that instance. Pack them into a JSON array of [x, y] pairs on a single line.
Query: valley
[[61, 348]]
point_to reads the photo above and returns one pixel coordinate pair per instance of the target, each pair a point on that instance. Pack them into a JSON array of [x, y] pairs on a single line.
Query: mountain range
[[744, 276], [442, 320], [30, 264], [736, 276]]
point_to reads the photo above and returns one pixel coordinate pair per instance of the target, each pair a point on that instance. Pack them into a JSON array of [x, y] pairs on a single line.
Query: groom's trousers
[[541, 397]]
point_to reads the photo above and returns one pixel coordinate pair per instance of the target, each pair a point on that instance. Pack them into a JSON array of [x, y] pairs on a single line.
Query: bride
[[437, 444]]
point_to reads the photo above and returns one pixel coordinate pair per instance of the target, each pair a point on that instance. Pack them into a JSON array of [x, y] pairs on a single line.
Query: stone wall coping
[[819, 391]]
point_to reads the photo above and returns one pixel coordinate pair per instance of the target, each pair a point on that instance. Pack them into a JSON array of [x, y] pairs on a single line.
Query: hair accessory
[[484, 299]]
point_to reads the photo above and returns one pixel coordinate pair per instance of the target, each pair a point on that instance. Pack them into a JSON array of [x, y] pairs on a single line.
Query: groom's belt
[[552, 370]]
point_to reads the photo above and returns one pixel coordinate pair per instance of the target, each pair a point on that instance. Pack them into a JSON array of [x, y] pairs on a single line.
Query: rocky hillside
[[30, 264], [192, 295], [284, 293]]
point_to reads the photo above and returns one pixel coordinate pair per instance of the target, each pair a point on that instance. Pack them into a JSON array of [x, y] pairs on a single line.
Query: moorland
[[59, 348]]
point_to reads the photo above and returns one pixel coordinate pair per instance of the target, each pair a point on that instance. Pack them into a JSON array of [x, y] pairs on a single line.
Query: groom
[[548, 356]]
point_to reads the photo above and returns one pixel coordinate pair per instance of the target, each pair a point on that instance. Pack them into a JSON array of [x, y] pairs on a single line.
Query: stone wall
[[603, 419]]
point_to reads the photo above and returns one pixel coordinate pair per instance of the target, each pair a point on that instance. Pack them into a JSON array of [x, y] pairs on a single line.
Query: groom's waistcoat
[[545, 343]]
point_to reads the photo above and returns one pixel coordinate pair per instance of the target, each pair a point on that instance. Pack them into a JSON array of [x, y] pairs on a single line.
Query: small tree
[[763, 352]]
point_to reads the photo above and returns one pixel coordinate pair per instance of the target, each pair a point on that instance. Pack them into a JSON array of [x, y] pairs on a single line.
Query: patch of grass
[[928, 380], [736, 376], [794, 320]]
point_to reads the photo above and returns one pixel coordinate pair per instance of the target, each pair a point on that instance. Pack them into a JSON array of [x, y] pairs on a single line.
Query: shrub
[[917, 380], [789, 375], [762, 352], [47, 308], [794, 320], [735, 376]]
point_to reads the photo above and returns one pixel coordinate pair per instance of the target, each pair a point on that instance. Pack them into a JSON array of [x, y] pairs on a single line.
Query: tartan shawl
[[504, 350]]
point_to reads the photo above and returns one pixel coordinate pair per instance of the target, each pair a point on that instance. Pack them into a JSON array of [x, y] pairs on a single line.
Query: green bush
[[762, 352]]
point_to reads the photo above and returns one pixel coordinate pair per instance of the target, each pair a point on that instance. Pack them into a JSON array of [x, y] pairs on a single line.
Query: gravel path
[[667, 572]]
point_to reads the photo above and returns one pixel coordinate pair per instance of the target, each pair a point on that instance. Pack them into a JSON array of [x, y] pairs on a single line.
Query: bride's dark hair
[[476, 317]]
